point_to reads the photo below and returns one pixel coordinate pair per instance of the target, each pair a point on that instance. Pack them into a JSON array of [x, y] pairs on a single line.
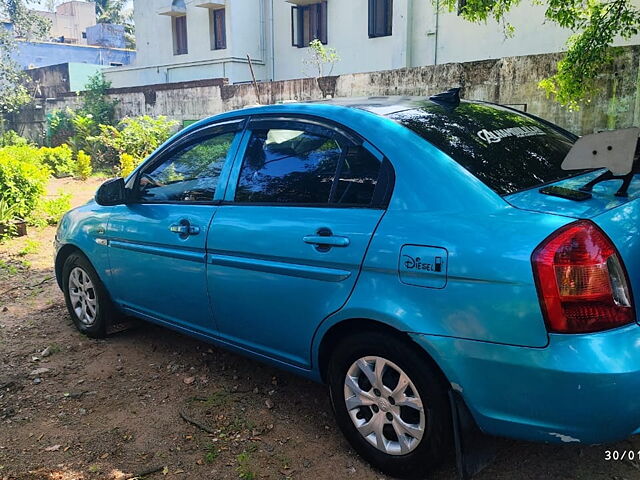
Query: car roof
[[385, 106], [334, 108]]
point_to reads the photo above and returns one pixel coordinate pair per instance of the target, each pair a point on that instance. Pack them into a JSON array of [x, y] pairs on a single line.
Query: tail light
[[582, 284]]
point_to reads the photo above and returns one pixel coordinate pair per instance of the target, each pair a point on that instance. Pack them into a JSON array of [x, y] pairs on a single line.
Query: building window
[[380, 18], [218, 29], [308, 22], [179, 24]]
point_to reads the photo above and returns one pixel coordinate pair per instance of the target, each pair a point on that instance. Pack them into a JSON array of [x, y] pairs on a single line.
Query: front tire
[[390, 403], [87, 300]]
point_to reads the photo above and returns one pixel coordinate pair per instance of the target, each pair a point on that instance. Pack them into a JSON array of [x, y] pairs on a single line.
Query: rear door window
[[305, 164], [506, 150], [288, 166]]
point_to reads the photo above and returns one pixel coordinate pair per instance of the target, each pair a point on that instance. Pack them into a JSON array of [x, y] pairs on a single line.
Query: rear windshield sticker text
[[495, 136]]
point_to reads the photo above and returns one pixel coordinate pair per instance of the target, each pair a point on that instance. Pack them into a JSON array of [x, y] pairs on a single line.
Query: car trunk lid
[[603, 198]]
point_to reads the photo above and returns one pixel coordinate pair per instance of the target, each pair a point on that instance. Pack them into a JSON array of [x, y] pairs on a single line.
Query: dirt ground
[[76, 408]]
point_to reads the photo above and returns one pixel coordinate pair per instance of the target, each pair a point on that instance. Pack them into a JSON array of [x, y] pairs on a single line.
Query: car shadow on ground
[[150, 398], [513, 459]]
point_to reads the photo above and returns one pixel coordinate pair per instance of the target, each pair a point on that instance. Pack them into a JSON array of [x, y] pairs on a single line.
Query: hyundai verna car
[[397, 249]]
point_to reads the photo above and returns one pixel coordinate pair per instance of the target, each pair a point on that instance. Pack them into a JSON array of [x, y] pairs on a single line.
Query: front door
[[157, 242], [285, 248]]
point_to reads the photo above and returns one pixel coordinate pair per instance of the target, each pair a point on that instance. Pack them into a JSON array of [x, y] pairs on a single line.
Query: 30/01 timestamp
[[619, 455]]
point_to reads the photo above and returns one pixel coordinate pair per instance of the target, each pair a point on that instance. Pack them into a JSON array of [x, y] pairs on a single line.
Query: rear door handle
[[332, 241], [184, 229], [324, 239]]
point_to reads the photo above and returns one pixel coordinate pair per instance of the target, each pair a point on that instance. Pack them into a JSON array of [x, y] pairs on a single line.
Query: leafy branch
[[595, 25]]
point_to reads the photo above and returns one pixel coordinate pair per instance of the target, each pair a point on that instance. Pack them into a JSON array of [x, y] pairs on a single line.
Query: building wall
[[421, 36], [262, 29], [71, 19], [106, 35], [156, 61], [510, 80], [41, 54], [347, 32], [55, 81], [79, 74]]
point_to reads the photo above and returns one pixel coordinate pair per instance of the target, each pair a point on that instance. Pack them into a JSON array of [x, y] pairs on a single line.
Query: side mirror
[[112, 192]]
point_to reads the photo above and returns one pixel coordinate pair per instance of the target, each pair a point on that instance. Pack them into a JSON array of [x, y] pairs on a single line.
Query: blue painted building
[[42, 54]]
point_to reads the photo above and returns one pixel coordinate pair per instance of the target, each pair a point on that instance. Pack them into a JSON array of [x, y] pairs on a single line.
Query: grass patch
[[244, 466], [217, 399], [211, 453], [31, 246]]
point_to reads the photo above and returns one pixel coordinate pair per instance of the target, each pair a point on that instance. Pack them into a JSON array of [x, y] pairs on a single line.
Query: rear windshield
[[506, 150]]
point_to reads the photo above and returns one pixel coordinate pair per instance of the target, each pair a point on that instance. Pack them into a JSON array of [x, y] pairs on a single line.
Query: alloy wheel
[[83, 296], [384, 405]]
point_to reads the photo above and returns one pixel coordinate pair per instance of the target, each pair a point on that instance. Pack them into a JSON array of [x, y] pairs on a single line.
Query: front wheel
[[87, 300], [390, 403]]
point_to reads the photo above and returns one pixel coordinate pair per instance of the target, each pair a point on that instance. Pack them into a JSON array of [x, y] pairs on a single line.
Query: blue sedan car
[[399, 250]]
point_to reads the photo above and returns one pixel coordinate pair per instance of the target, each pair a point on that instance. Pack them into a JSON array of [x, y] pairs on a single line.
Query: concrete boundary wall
[[512, 81]]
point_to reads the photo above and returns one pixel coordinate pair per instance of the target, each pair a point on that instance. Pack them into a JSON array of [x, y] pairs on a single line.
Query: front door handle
[[184, 229]]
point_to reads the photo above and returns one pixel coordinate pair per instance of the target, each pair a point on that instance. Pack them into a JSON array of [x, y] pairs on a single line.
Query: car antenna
[[615, 150], [449, 99]]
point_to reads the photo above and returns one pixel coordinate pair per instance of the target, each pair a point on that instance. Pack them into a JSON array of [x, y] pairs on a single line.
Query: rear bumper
[[580, 388]]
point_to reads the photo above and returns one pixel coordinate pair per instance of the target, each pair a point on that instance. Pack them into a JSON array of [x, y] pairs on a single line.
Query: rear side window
[[306, 166], [506, 150], [358, 177]]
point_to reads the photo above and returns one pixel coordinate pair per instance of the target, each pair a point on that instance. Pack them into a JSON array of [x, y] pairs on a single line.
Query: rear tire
[[391, 404], [87, 299]]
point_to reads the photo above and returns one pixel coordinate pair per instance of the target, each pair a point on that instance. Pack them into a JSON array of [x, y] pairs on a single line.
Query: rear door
[[157, 242], [286, 246]]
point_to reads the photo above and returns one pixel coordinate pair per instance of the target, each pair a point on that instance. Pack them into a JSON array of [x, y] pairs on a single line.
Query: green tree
[[14, 91], [13, 82], [319, 56], [595, 25], [26, 23], [96, 103]]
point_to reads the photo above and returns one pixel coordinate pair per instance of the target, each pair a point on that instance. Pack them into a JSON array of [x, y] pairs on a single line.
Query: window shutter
[[313, 24], [294, 27], [372, 18], [220, 28], [389, 17], [180, 45], [322, 22]]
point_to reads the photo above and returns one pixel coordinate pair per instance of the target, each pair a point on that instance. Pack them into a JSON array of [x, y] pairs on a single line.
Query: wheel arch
[[351, 326], [62, 255]]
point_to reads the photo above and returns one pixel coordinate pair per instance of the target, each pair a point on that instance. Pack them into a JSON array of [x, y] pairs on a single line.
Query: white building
[[182, 40]]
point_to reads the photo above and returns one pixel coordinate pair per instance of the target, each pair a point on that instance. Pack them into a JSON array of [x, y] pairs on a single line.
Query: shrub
[[21, 183], [11, 138], [7, 212], [95, 102], [58, 159], [138, 136], [128, 164], [59, 127], [83, 169], [50, 211], [84, 129], [24, 153]]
